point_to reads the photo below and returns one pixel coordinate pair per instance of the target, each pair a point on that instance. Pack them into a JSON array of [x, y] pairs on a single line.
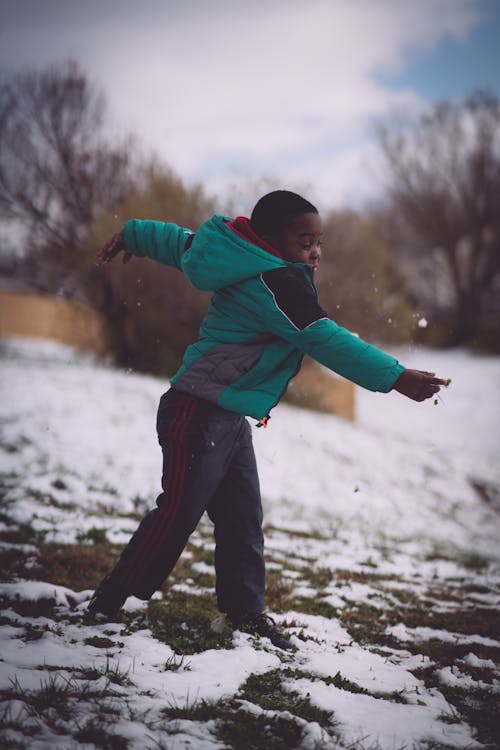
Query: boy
[[263, 317]]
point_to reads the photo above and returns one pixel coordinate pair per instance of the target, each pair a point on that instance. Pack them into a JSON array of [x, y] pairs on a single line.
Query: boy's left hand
[[418, 385]]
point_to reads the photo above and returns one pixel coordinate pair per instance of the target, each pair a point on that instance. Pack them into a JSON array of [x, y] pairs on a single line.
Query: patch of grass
[[444, 653], [13, 563], [452, 717], [8, 620], [201, 553], [278, 591], [14, 723], [480, 674], [318, 577], [237, 728], [59, 699], [60, 505], [313, 606], [302, 634], [111, 671], [267, 691], [469, 621], [183, 622], [198, 710], [141, 506], [51, 668], [106, 489], [362, 576], [364, 623], [43, 607], [314, 534], [407, 597], [479, 707], [203, 580], [59, 484], [74, 565], [177, 664], [93, 535], [475, 588], [338, 680], [101, 641], [474, 561], [241, 730], [53, 694], [56, 690], [367, 624], [100, 736], [34, 632], [20, 533], [184, 571], [77, 566]]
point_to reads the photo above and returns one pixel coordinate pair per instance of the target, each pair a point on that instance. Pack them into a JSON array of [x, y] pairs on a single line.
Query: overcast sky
[[288, 89]]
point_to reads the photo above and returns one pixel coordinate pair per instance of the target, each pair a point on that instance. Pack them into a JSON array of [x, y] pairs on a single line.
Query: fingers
[[430, 388], [102, 258], [429, 393], [419, 385], [111, 249]]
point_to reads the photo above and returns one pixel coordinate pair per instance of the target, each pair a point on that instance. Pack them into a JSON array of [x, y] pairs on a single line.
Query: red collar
[[241, 227]]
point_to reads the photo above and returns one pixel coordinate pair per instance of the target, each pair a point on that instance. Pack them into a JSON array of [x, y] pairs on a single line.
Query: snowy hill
[[383, 559]]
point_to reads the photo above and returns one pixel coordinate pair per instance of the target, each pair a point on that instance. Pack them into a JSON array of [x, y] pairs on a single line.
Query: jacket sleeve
[[291, 310], [156, 240]]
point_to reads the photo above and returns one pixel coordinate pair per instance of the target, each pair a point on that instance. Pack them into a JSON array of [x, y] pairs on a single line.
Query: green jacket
[[263, 317]]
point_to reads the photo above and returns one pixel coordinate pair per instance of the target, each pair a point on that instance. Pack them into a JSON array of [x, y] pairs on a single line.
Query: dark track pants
[[208, 465]]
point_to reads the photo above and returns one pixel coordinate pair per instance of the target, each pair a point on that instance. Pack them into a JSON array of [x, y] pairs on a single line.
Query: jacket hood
[[219, 257]]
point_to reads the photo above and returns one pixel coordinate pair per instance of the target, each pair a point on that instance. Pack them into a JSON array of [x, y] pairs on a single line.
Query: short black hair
[[276, 211]]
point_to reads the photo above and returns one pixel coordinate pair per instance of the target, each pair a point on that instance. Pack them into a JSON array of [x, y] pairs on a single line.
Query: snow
[[403, 634], [395, 492], [365, 717]]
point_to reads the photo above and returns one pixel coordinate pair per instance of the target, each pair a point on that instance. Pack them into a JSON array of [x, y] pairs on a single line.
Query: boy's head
[[290, 224]]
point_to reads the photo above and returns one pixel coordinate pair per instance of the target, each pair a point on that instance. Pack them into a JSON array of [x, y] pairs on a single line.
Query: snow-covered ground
[[397, 513]]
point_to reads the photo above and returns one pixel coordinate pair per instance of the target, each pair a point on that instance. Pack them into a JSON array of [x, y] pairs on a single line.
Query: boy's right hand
[[418, 385], [111, 249]]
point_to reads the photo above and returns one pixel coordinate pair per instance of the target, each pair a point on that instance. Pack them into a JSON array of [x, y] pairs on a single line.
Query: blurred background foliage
[[430, 249]]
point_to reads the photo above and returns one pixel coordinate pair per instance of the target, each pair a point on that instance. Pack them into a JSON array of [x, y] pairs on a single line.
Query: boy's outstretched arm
[[418, 385], [289, 308], [161, 241]]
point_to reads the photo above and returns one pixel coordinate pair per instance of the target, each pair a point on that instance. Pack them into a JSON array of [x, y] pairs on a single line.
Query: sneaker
[[106, 603], [263, 626]]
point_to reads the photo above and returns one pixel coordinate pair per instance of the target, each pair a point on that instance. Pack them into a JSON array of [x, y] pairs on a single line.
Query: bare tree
[[159, 309], [445, 186], [56, 171], [358, 283]]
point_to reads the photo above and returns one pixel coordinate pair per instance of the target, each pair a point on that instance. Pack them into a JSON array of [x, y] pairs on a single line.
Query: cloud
[[284, 87]]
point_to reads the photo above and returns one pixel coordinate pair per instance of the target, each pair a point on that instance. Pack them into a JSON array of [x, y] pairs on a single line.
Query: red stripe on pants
[[173, 488]]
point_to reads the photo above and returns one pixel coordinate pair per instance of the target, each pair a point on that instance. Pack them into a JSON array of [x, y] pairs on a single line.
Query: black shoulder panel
[[294, 296]]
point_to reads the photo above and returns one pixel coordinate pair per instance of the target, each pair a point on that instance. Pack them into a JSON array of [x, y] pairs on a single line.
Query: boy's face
[[301, 241]]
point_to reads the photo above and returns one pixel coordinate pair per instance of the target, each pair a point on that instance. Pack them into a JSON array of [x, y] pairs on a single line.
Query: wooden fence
[[43, 316]]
